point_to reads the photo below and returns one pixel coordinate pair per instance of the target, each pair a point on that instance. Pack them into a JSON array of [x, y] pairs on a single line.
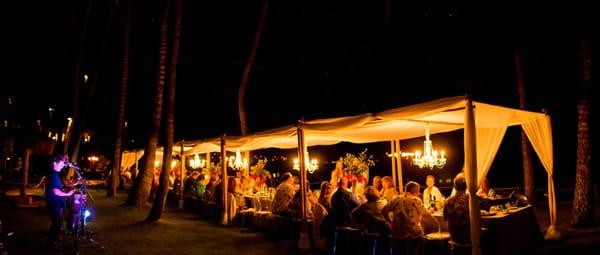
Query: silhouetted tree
[[248, 68], [582, 201], [143, 182], [159, 202]]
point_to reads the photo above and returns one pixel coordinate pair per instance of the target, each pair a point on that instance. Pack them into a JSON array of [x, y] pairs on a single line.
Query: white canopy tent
[[443, 115]]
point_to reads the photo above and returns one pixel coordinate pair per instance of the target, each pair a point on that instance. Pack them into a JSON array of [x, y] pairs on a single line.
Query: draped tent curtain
[[488, 141], [128, 158], [539, 133]]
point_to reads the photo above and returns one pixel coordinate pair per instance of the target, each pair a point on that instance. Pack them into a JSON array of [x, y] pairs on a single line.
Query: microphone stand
[[78, 212]]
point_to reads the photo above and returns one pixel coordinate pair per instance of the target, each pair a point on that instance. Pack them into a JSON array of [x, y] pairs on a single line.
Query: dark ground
[[118, 230]]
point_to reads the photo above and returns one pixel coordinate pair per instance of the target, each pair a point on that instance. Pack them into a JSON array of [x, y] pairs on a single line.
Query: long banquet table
[[513, 232]]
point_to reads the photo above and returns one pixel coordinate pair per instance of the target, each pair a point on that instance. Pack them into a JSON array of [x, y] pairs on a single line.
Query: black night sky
[[317, 59]]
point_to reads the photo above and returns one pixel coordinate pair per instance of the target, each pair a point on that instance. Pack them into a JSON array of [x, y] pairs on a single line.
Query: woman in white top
[[432, 197], [485, 191]]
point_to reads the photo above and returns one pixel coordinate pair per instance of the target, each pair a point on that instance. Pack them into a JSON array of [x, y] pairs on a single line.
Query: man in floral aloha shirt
[[283, 196], [456, 212]]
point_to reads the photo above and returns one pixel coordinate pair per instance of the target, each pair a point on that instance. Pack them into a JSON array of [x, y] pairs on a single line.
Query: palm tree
[[161, 196], [116, 171], [525, 149], [582, 202], [248, 67], [143, 182]]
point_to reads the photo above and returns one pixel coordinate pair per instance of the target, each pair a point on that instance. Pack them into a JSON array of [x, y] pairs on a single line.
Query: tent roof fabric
[[442, 115]]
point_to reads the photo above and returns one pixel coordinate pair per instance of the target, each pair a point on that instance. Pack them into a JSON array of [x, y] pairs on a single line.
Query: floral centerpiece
[[259, 173], [357, 167]]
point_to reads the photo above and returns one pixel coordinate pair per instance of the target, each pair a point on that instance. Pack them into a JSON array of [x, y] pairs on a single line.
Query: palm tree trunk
[[582, 202], [77, 79], [248, 68], [116, 171], [141, 188], [159, 203], [525, 149]]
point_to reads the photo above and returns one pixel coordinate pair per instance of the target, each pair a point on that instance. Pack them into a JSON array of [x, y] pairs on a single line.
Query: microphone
[[72, 165]]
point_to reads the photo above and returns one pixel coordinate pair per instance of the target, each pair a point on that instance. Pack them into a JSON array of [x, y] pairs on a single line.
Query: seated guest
[[283, 196], [485, 191], [247, 185], [389, 190], [231, 189], [432, 197], [456, 212], [336, 174], [209, 193], [325, 196], [200, 186], [377, 184], [296, 204], [368, 216], [342, 204], [238, 181], [358, 190], [190, 188], [407, 211], [188, 184]]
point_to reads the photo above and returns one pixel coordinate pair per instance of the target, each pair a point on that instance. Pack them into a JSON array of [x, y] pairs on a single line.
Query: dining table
[[514, 230]]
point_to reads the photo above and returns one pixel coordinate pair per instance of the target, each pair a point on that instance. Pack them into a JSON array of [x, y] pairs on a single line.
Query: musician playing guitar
[[55, 199]]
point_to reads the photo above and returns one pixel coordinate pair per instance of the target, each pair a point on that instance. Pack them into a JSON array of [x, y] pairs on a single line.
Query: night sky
[[317, 59]]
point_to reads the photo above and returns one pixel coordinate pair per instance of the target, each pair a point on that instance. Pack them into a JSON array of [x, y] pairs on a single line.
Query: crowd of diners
[[376, 208]]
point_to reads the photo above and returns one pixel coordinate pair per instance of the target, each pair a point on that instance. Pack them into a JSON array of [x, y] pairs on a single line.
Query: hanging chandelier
[[196, 162], [236, 162], [311, 165], [429, 159]]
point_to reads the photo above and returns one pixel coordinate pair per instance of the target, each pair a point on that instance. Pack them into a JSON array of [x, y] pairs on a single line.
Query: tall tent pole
[[246, 169], [135, 170], [471, 176], [393, 158], [399, 168], [207, 161], [303, 242], [181, 176], [224, 193]]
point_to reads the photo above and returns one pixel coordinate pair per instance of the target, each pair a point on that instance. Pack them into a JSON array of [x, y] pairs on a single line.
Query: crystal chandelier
[[236, 162], [196, 162], [311, 165], [430, 157]]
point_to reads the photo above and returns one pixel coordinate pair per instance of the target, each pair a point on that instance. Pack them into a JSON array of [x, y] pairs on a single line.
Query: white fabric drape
[[539, 132], [488, 142], [128, 158]]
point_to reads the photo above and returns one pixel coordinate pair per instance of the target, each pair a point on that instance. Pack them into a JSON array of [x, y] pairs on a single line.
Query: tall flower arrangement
[[357, 167], [259, 173]]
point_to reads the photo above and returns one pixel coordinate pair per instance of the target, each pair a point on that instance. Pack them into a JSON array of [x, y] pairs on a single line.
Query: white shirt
[[433, 194]]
